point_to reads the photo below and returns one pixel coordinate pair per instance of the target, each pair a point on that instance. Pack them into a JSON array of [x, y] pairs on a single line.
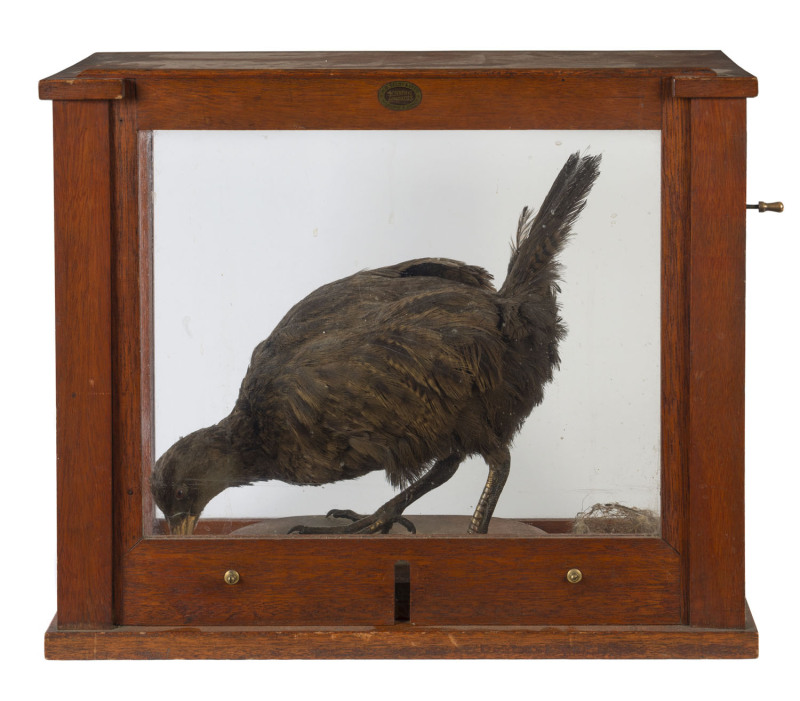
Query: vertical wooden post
[[83, 361], [675, 224], [716, 364]]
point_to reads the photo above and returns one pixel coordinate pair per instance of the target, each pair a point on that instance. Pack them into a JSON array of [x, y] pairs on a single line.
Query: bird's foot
[[379, 522], [353, 516]]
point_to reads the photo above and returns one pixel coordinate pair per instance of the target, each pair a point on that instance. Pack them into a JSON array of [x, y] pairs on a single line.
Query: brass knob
[[767, 206], [231, 577], [574, 576]]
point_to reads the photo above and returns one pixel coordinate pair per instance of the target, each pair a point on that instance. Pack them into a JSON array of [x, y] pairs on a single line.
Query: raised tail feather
[[541, 236]]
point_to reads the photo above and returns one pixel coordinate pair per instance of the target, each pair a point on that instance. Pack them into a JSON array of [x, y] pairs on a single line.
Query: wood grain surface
[[84, 384], [340, 580], [403, 641], [716, 363]]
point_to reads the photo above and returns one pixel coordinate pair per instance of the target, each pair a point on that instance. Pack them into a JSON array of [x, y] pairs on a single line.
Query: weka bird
[[407, 369]]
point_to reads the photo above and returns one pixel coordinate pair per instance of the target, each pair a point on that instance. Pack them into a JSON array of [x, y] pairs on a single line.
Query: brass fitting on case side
[[767, 207]]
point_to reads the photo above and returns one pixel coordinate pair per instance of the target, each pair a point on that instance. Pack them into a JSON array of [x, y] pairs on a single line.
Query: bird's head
[[190, 474]]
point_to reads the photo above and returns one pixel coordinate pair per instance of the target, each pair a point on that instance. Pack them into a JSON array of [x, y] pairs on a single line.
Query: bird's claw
[[377, 523], [403, 521], [344, 513]]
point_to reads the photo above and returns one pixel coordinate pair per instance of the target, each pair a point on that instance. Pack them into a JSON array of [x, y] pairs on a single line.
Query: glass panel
[[246, 224]]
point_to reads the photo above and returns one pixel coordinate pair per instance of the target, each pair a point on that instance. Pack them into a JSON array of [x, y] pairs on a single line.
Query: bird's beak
[[182, 524]]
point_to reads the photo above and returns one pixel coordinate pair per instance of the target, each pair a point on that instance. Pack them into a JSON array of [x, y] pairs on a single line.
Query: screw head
[[574, 576], [231, 577]]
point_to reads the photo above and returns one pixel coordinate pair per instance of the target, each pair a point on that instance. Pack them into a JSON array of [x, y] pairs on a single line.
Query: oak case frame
[[680, 595]]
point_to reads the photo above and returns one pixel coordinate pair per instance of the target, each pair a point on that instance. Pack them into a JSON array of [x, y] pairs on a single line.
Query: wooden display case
[[124, 591]]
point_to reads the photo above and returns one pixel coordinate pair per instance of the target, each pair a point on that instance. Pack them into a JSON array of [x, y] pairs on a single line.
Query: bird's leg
[[499, 467], [391, 512]]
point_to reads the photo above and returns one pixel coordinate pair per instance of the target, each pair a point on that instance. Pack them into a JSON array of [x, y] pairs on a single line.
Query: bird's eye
[[180, 493]]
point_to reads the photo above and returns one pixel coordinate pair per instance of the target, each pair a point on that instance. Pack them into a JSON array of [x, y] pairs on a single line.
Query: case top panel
[[694, 73]]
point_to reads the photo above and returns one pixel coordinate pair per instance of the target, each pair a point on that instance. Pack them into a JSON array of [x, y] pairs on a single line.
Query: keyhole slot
[[402, 592]]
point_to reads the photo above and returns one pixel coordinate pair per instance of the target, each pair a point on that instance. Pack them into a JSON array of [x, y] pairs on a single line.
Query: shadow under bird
[[407, 369]]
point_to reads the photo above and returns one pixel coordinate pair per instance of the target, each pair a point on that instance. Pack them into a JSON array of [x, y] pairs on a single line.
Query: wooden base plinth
[[404, 641]]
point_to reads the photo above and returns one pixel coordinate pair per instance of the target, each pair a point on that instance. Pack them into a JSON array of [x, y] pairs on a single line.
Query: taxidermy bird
[[407, 369]]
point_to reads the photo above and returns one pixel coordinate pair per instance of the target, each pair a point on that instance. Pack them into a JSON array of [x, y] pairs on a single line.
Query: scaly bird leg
[[391, 512], [498, 474]]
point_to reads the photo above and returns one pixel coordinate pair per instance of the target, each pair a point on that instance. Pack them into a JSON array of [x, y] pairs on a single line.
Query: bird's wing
[[383, 382], [444, 268]]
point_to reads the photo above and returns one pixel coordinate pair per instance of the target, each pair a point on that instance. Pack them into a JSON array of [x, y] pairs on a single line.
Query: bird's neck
[[249, 461]]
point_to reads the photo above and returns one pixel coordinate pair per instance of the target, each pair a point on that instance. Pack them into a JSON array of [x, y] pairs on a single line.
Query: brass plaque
[[400, 95]]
